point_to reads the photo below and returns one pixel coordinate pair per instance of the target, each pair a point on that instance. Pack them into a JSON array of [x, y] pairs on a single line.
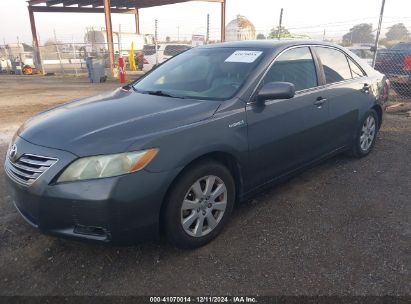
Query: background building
[[240, 29]]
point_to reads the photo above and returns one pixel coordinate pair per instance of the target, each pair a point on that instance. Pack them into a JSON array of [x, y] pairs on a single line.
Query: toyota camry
[[173, 152]]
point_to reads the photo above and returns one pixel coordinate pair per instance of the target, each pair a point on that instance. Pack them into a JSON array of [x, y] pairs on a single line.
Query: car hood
[[112, 122]]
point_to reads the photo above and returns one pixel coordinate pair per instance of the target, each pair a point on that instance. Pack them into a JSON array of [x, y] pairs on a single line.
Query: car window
[[295, 66], [356, 71], [175, 49], [335, 64], [149, 50]]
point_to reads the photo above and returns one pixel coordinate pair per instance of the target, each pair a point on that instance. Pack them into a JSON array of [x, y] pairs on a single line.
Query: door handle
[[320, 101]]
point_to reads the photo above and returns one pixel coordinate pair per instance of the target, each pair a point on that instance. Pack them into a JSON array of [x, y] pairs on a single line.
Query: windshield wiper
[[163, 93]]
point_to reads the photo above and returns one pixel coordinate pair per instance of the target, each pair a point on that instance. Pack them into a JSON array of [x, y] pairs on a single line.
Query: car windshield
[[208, 73]]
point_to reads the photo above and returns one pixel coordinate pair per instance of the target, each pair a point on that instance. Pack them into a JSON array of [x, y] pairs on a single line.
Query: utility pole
[[208, 29], [280, 24], [155, 38], [178, 33], [377, 38], [324, 35]]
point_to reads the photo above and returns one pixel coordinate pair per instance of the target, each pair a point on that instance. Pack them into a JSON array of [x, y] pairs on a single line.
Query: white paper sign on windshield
[[244, 56]]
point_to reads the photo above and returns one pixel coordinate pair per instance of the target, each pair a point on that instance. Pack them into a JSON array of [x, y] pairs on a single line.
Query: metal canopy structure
[[107, 7]]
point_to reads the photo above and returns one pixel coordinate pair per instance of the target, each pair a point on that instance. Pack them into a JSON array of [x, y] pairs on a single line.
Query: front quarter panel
[[225, 131]]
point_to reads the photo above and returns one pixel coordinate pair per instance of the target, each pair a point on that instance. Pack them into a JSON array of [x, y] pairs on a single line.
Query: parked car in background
[[395, 63], [173, 152], [164, 52], [364, 52]]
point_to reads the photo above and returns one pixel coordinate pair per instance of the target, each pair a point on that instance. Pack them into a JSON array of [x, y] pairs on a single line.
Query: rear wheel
[[366, 135], [199, 205]]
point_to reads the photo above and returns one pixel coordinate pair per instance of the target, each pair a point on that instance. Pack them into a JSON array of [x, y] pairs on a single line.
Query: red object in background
[[407, 63], [122, 70]]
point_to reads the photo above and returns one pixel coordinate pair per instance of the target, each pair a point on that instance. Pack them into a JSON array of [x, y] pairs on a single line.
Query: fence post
[[377, 38], [155, 39], [6, 52], [75, 56], [58, 52]]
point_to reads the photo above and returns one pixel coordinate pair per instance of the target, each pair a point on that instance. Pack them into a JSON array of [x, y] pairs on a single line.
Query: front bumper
[[116, 209]]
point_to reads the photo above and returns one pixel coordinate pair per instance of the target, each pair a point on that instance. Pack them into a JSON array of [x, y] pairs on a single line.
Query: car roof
[[267, 44]]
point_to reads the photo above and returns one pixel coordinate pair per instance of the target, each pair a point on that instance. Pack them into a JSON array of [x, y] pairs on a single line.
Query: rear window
[[149, 50], [335, 64], [173, 50]]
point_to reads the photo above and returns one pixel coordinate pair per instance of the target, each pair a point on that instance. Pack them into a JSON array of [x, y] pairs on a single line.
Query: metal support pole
[[74, 55], [120, 46], [377, 38], [137, 16], [223, 21], [280, 24], [155, 39], [109, 31], [37, 56], [58, 52]]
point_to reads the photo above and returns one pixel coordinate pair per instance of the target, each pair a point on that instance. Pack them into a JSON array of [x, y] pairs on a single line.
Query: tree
[[168, 39], [360, 33], [275, 31], [398, 32], [261, 36]]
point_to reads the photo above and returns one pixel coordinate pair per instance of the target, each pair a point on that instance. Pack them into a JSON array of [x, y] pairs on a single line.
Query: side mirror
[[276, 90]]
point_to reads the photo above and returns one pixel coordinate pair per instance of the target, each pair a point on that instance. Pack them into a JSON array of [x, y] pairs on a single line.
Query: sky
[[336, 17]]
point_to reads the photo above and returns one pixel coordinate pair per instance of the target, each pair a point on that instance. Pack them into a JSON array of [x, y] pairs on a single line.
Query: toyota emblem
[[13, 151]]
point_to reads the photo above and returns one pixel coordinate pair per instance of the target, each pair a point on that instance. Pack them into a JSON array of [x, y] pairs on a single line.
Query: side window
[[295, 66], [356, 71], [335, 64]]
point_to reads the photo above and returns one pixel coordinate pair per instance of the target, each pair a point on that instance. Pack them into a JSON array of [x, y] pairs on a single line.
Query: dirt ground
[[342, 228]]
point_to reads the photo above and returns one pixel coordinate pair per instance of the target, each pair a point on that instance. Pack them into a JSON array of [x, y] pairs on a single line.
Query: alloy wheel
[[204, 206], [367, 133]]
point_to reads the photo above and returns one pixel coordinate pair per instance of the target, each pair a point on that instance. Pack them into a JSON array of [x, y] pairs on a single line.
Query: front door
[[285, 134]]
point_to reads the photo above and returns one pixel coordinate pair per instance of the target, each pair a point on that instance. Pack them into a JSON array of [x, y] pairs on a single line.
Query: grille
[[28, 168]]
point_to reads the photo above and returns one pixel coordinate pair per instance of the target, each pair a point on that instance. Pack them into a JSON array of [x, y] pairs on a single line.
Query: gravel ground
[[342, 228]]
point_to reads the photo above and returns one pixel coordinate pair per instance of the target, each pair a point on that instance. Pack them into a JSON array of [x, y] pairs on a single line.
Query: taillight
[[386, 90], [407, 63]]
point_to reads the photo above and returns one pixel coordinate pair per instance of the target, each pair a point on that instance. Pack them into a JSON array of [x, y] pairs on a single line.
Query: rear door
[[347, 88], [285, 134]]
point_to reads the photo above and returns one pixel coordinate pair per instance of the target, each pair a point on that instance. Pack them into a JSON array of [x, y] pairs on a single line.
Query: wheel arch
[[225, 158], [377, 108]]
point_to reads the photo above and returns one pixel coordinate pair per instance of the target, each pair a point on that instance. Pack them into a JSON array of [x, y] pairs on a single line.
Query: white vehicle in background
[[96, 42], [164, 52]]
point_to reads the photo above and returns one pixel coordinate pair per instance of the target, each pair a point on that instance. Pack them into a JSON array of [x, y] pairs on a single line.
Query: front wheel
[[366, 135], [199, 205]]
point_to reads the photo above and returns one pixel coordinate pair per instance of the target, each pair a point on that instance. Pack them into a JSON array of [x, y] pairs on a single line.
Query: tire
[[366, 135], [188, 207]]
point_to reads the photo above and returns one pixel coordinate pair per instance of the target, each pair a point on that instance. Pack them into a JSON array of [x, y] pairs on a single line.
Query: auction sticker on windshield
[[244, 56]]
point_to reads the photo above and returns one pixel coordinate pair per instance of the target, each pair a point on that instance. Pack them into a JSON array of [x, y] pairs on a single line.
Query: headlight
[[107, 165]]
